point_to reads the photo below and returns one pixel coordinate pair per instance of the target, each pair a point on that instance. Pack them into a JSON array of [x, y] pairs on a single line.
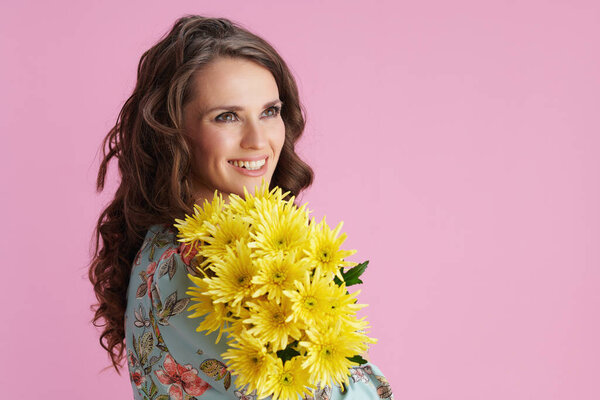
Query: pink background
[[459, 141]]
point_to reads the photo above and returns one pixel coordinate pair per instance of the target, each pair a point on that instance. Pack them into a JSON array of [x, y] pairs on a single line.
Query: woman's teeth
[[251, 165]]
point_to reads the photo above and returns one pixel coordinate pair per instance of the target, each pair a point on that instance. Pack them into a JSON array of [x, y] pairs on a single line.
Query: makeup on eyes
[[276, 108], [240, 108]]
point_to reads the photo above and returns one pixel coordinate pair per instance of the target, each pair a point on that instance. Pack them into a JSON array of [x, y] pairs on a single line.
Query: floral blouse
[[168, 359]]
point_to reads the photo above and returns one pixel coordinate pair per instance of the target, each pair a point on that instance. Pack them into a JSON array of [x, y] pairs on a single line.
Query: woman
[[215, 107]]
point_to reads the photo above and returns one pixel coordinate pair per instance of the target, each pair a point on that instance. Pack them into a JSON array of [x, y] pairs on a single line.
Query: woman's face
[[234, 127]]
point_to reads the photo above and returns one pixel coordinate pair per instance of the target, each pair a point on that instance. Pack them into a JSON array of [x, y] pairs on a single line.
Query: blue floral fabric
[[168, 359]]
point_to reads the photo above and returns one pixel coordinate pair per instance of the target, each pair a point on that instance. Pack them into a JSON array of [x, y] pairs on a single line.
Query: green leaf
[[172, 269], [141, 290], [146, 343], [227, 381], [135, 347], [162, 242], [358, 359], [214, 368], [169, 304], [153, 389], [162, 347], [164, 267], [351, 277], [154, 360], [163, 397], [288, 353], [180, 305], [146, 394]]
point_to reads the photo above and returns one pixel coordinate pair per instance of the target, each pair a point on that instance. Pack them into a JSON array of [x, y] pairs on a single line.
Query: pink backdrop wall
[[459, 141]]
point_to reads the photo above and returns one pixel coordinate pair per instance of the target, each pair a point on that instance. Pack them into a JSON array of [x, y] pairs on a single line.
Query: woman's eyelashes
[[273, 114]]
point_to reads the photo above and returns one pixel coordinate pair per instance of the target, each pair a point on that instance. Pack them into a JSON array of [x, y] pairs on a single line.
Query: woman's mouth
[[250, 167]]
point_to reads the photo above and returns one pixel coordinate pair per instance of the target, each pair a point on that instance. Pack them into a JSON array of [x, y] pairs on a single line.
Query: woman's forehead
[[234, 82]]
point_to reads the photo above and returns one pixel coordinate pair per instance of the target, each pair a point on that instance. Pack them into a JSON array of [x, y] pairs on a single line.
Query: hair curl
[[154, 158]]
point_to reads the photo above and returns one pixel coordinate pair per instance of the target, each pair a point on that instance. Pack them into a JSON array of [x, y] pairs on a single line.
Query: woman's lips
[[252, 172], [253, 158]]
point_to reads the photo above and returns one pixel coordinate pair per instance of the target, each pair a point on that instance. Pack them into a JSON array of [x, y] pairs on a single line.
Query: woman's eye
[[275, 111], [229, 116], [226, 119]]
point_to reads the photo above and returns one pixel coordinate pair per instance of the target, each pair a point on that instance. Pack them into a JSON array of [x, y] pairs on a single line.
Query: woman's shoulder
[[160, 235], [166, 356], [161, 254], [160, 242]]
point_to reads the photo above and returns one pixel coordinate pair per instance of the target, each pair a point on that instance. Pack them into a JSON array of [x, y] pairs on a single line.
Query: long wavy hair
[[154, 157]]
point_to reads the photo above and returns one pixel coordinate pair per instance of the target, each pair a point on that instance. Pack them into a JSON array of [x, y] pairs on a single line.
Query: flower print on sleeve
[[360, 374], [182, 379]]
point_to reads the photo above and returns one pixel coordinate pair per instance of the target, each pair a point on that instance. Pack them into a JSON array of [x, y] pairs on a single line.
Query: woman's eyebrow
[[238, 108]]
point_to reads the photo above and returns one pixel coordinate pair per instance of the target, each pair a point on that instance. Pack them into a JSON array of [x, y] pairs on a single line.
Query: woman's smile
[[250, 167]]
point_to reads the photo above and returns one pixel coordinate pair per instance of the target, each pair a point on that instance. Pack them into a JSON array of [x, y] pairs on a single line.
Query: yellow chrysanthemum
[[233, 281], [311, 297], [329, 347], [324, 250], [279, 228], [272, 203], [227, 230], [343, 304], [215, 314], [269, 323], [192, 229], [250, 361], [270, 285], [289, 380], [246, 206], [278, 273], [237, 324]]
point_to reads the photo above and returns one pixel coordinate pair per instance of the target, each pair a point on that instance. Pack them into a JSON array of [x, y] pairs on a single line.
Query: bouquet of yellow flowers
[[275, 281]]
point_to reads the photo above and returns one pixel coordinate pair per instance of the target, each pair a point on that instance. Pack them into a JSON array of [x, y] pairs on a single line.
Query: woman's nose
[[254, 135]]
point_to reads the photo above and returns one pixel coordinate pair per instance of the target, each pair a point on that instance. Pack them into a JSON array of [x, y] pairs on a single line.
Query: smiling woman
[[233, 145], [214, 108]]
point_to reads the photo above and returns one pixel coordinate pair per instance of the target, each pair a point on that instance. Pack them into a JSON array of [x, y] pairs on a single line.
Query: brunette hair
[[154, 158]]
